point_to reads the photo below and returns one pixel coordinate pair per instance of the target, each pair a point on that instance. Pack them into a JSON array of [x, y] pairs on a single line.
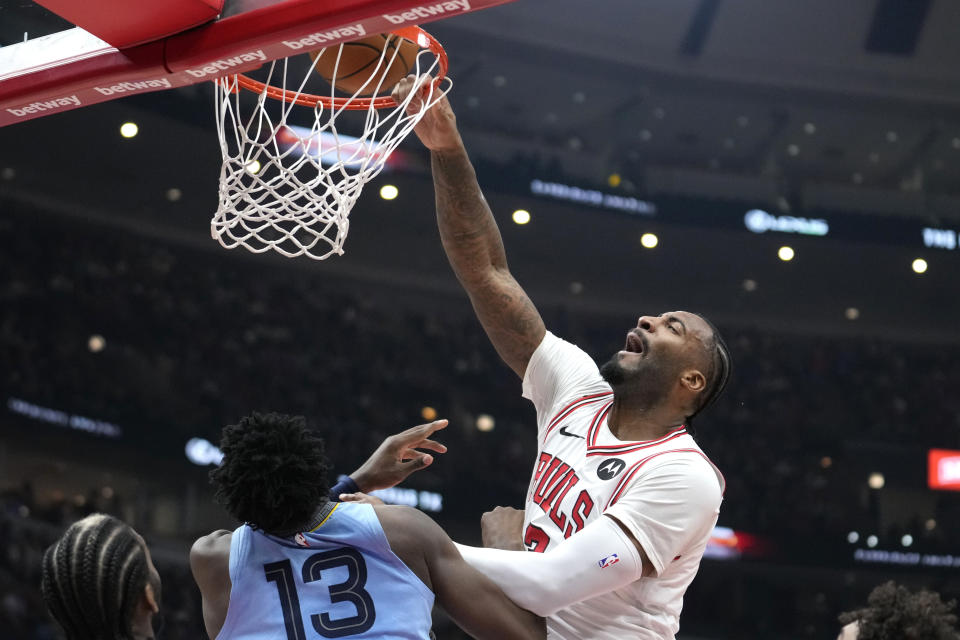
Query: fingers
[[408, 85], [417, 436], [417, 462], [362, 498]]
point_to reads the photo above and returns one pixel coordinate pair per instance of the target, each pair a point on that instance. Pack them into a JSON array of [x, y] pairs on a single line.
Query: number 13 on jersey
[[350, 590]]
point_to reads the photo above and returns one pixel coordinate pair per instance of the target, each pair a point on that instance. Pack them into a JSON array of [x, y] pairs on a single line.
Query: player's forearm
[[469, 233], [591, 563]]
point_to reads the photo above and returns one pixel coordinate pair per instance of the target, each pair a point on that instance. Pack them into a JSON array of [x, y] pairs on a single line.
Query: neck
[[142, 629], [633, 421]]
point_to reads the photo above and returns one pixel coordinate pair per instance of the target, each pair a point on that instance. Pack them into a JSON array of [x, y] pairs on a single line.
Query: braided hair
[[720, 369], [93, 578], [895, 613], [274, 473]]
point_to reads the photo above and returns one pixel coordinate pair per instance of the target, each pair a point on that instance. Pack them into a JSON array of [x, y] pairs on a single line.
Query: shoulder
[[400, 521], [684, 475], [211, 553]]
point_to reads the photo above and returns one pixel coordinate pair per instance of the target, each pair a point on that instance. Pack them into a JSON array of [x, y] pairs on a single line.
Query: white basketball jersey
[[665, 491]]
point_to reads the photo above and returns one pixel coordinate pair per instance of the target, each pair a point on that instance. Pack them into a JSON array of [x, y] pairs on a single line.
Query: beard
[[648, 384]]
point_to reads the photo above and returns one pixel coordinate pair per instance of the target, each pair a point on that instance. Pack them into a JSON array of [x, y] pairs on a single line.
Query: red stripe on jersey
[[595, 424], [630, 447], [573, 406], [632, 471]]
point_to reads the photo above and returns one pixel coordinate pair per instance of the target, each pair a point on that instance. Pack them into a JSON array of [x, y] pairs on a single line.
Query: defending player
[[622, 499], [301, 561]]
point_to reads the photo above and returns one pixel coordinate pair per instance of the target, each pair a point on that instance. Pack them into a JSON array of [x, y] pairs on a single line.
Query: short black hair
[[893, 612], [93, 577], [274, 473], [720, 370]]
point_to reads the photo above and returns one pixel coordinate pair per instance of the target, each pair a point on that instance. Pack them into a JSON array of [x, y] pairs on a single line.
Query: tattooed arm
[[472, 240]]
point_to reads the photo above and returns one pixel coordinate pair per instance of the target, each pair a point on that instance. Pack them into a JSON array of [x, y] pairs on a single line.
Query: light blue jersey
[[340, 580]]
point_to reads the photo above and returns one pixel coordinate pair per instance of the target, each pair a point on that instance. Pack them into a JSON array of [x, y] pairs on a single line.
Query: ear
[[150, 599], [693, 380]]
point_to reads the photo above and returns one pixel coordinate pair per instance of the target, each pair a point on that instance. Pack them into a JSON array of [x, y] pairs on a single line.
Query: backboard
[[122, 48]]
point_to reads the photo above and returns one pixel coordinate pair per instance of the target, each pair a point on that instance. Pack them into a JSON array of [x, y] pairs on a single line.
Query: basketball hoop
[[290, 173]]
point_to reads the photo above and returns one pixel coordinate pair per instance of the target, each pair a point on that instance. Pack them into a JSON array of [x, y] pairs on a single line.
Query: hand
[[502, 528], [362, 498], [397, 457], [437, 129]]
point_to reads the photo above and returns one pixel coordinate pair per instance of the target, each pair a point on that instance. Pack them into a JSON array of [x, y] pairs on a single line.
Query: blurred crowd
[[193, 339]]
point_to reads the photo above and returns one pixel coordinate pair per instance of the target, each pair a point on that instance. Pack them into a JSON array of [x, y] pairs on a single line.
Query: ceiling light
[[743, 121], [786, 253], [428, 413], [485, 422], [852, 313], [919, 265], [809, 128], [576, 288], [857, 178], [876, 480], [659, 113], [906, 540], [614, 180], [852, 537], [521, 216], [872, 541], [129, 129], [826, 462], [874, 157], [645, 134], [253, 167], [579, 97], [749, 285], [389, 192], [174, 194], [649, 240], [793, 150], [892, 136], [96, 343]]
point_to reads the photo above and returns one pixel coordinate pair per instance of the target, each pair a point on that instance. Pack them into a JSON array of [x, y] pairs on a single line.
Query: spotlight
[[906, 540], [852, 537], [521, 216], [649, 240], [872, 541], [96, 343], [786, 253], [485, 422], [919, 265], [389, 192], [129, 129]]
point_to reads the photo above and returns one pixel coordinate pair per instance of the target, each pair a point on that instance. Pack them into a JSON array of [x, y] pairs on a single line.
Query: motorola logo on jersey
[[610, 468]]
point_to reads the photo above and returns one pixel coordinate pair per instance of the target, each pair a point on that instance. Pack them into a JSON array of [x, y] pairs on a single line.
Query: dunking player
[[622, 499], [300, 560]]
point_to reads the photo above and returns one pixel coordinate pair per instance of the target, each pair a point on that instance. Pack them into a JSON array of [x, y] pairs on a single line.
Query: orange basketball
[[359, 61]]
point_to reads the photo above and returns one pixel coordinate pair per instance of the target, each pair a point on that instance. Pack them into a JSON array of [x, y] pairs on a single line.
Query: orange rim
[[415, 34]]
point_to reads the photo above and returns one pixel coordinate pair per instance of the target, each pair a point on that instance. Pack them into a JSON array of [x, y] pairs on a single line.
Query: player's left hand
[[502, 528], [397, 457]]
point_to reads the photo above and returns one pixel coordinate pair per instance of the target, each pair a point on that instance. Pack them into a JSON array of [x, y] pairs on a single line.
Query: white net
[[291, 174]]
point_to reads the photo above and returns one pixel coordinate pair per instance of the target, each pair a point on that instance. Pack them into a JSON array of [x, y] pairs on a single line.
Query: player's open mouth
[[635, 343]]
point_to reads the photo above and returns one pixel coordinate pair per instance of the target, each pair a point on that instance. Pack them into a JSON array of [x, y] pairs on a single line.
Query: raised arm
[[472, 240]]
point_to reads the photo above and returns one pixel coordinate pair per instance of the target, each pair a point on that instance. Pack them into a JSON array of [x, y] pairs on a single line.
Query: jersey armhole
[[380, 536]]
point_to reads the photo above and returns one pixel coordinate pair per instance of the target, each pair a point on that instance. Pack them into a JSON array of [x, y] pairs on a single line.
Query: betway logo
[[228, 63], [760, 221], [125, 87], [322, 37], [428, 11], [47, 105]]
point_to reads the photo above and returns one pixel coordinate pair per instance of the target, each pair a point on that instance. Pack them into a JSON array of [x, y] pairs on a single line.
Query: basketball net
[[289, 177]]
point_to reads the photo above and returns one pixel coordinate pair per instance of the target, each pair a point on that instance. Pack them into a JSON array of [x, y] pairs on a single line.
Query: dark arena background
[[790, 169]]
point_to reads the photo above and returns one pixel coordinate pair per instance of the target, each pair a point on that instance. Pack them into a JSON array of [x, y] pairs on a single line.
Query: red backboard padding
[[123, 23], [65, 71]]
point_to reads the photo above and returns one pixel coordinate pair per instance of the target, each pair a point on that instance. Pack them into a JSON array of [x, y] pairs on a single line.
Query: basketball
[[359, 60]]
